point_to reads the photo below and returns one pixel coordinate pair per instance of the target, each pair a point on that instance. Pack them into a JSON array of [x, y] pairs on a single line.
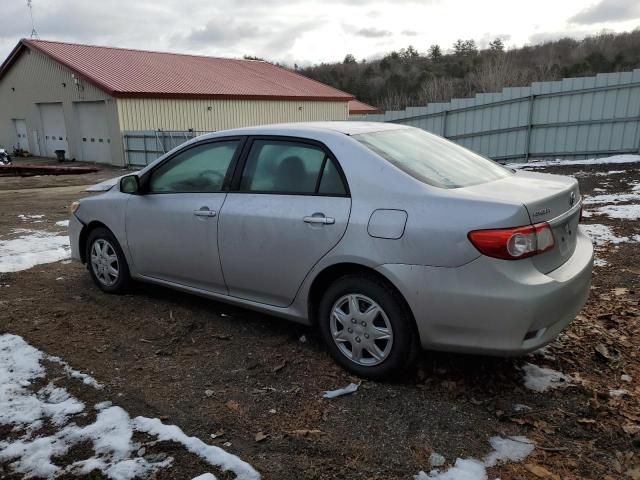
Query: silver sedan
[[388, 238]]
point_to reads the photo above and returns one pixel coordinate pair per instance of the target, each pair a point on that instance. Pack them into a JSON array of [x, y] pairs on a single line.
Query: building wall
[[34, 78], [213, 115]]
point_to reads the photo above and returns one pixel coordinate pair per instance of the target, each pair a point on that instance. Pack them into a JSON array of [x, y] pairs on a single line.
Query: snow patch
[[463, 469], [32, 218], [212, 454], [584, 173], [521, 407], [624, 212], [540, 379], [70, 372], [31, 248], [588, 161], [512, 449], [618, 392], [602, 234], [115, 454], [612, 198], [63, 223], [436, 460]]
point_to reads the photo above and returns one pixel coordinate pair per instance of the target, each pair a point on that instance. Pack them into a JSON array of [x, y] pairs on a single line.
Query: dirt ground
[[157, 351]]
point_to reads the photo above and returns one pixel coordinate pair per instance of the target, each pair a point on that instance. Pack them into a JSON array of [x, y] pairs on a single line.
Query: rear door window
[[288, 167]]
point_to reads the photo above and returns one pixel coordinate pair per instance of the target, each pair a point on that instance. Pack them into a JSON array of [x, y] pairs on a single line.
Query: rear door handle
[[204, 212], [319, 219]]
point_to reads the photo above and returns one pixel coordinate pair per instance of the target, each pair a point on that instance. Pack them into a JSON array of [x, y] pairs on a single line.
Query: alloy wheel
[[104, 262]]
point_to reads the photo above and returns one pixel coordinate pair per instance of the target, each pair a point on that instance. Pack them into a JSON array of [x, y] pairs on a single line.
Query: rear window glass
[[432, 159]]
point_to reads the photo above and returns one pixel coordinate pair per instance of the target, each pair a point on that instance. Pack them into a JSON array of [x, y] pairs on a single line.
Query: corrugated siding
[[574, 117], [36, 79], [212, 115]]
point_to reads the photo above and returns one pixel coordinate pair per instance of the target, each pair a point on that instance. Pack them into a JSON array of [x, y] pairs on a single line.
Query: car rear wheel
[[367, 326], [106, 262]]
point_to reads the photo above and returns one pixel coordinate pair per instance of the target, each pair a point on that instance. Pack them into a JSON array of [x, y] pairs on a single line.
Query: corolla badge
[[572, 198], [542, 211]]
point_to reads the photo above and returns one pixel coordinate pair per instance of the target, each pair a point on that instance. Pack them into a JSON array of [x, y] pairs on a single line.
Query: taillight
[[513, 243]]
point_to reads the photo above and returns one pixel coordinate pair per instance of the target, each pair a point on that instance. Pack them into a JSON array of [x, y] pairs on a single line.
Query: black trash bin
[[60, 155]]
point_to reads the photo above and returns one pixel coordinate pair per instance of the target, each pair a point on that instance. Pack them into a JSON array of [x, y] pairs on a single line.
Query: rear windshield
[[432, 159]]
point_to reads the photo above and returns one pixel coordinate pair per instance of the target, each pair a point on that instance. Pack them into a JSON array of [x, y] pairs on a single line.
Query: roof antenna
[[34, 33]]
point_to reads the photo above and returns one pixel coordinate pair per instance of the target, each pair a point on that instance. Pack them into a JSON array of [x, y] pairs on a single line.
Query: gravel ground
[[157, 352]]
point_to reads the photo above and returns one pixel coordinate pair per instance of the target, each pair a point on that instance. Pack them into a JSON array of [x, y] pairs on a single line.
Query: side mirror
[[130, 184]]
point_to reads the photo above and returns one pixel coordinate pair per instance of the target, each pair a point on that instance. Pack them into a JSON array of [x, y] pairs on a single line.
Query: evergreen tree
[[435, 52]]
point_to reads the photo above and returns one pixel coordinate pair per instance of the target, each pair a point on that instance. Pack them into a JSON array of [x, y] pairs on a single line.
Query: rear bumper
[[494, 306], [75, 228]]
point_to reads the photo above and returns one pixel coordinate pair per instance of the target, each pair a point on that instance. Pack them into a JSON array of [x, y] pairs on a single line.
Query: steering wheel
[[213, 176]]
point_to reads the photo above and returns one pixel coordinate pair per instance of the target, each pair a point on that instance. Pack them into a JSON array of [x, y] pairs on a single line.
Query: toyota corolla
[[389, 239]]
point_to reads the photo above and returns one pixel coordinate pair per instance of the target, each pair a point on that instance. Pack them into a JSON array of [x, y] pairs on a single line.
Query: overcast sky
[[307, 32]]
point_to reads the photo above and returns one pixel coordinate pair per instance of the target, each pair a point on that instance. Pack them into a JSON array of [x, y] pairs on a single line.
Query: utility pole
[[34, 33]]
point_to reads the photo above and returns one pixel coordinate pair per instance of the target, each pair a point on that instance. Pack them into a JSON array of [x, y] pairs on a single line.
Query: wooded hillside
[[412, 77]]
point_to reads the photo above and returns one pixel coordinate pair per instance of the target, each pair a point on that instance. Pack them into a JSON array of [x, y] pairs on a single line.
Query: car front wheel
[[106, 262], [367, 326]]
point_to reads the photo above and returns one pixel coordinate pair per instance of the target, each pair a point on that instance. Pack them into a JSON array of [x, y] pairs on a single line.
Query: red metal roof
[[356, 107], [137, 73]]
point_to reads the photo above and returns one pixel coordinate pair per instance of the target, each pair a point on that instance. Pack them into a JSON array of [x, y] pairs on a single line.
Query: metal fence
[[574, 117], [142, 147]]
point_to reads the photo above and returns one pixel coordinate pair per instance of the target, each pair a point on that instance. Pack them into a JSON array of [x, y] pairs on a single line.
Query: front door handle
[[321, 219], [204, 212]]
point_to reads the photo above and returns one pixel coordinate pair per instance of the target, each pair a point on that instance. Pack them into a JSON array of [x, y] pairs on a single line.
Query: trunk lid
[[547, 198]]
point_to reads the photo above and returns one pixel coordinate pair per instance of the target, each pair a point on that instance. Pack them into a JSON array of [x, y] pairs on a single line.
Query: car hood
[[107, 184]]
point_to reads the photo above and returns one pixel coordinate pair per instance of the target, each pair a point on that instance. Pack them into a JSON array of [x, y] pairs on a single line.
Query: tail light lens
[[513, 243]]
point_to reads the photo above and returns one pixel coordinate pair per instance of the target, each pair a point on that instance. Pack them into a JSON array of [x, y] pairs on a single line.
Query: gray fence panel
[[142, 147], [574, 117]]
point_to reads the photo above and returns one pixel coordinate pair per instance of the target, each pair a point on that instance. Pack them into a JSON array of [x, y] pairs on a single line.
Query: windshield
[[432, 159]]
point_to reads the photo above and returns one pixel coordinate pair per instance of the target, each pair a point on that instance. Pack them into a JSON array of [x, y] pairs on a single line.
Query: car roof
[[302, 128]]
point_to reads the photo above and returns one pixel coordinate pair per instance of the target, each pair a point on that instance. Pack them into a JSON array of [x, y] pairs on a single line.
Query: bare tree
[[394, 101], [495, 73], [437, 89]]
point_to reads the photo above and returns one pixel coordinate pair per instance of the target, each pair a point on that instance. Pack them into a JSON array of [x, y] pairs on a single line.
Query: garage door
[[54, 129], [21, 134], [94, 132]]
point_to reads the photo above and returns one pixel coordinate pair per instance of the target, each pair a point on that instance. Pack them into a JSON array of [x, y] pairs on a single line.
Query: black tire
[[121, 284], [405, 345]]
